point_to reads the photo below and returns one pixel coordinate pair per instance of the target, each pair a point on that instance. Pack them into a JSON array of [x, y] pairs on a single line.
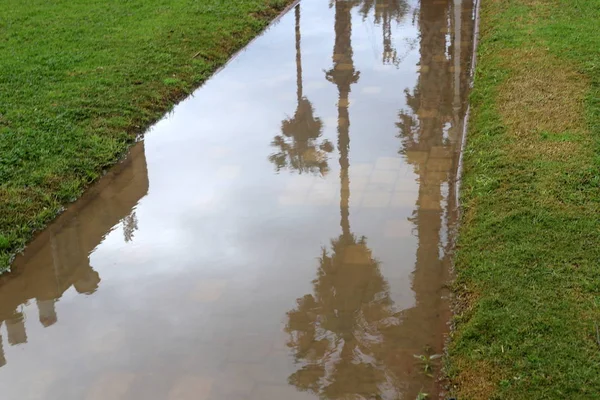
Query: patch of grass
[[528, 258], [81, 78]]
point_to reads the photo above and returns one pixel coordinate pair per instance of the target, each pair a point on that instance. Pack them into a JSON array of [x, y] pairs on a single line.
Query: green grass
[[81, 78], [528, 257]]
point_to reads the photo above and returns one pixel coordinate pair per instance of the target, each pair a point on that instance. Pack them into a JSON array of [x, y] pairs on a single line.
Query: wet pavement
[[284, 233]]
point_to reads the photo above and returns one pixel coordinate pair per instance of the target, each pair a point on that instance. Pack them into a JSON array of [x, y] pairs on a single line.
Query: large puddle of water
[[284, 233]]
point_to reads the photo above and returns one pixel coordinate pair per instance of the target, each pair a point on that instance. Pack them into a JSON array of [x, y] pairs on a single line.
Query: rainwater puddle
[[284, 233]]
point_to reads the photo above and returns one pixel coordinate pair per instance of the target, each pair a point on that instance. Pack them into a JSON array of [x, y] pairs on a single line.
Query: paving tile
[[207, 357], [439, 164], [216, 395], [356, 198], [280, 392], [295, 192], [417, 157], [154, 383], [322, 194], [219, 151], [436, 176], [404, 200], [429, 202], [109, 341], [272, 370], [376, 199], [440, 152], [228, 172], [191, 388], [330, 121], [357, 170], [389, 163], [111, 386], [234, 382], [371, 90], [280, 339], [398, 228], [251, 349], [425, 113], [313, 85], [384, 177], [358, 183], [290, 200], [205, 202], [208, 290], [40, 383], [407, 183]]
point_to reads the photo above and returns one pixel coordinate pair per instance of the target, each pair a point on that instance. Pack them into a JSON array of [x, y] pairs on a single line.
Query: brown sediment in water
[[284, 233]]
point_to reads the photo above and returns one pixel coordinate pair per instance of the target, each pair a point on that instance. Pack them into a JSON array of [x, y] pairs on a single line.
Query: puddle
[[284, 233]]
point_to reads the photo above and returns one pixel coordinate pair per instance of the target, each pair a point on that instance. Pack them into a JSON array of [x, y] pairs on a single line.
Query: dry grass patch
[[542, 105], [476, 381]]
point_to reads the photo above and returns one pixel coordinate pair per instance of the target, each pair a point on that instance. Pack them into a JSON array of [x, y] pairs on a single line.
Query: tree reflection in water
[[298, 147], [348, 338], [337, 333]]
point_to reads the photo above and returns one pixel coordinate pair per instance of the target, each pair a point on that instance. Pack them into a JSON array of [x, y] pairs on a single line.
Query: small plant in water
[[422, 396], [427, 360]]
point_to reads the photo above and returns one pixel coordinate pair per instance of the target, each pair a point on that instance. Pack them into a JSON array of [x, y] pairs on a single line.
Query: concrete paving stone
[[440, 152], [376, 199], [208, 290], [439, 164], [191, 387], [398, 228], [110, 386], [389, 163], [228, 172]]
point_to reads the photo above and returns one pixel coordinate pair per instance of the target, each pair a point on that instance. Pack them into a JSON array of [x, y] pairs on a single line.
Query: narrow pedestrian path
[[284, 233]]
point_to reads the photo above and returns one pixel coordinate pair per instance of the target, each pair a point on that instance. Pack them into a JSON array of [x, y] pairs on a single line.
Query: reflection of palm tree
[[343, 75], [429, 105], [422, 132], [298, 148], [347, 337], [335, 332], [425, 132], [384, 13]]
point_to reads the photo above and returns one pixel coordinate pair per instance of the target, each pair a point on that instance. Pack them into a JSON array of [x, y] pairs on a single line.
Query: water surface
[[284, 233]]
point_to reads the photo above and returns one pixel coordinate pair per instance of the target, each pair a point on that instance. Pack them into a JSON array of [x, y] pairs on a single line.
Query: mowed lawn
[[528, 259], [80, 79]]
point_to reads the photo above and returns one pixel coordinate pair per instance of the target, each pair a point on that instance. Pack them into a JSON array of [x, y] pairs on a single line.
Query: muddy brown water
[[284, 233]]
